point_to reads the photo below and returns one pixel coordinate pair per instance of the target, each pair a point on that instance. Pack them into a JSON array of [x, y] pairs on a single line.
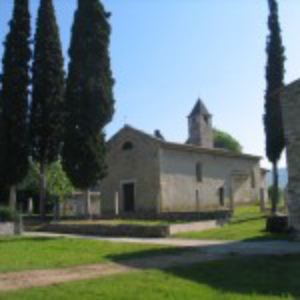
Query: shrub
[[6, 215]]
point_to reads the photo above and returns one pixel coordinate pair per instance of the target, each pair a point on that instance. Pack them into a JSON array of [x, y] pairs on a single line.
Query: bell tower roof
[[199, 109]]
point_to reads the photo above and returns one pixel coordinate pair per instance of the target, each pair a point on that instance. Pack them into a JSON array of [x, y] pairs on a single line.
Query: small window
[[253, 181], [199, 172], [127, 146], [206, 119], [222, 196]]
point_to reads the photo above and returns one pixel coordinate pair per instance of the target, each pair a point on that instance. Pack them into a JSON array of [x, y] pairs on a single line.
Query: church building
[[149, 175]]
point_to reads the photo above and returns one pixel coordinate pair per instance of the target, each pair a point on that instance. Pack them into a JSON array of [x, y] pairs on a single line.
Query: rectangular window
[[222, 196], [253, 181], [199, 172]]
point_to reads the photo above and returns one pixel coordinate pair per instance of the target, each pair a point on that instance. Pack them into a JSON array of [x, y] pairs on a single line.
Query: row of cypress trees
[[45, 116]]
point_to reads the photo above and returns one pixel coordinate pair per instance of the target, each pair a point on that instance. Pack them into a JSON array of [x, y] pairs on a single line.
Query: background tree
[[225, 141], [89, 95], [275, 80], [58, 184], [14, 101], [48, 85]]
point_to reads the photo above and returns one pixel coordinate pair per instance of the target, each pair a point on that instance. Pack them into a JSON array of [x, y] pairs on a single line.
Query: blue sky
[[166, 54]]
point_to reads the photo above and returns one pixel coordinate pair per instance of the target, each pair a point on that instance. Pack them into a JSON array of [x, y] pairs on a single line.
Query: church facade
[[148, 175]]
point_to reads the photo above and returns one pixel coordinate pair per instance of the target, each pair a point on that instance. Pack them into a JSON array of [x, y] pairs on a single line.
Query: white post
[[232, 194], [117, 204], [30, 206], [88, 204], [262, 199], [197, 201]]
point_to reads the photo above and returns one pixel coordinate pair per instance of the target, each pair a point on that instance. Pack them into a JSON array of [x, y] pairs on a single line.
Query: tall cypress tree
[[48, 85], [14, 100], [89, 95], [275, 80]]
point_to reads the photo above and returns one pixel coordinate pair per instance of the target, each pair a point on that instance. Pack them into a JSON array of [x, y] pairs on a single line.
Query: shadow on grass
[[265, 275], [246, 220], [228, 272], [137, 255], [269, 237]]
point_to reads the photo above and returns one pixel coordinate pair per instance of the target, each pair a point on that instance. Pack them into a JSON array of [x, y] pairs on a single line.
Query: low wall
[[195, 226], [150, 231], [7, 229], [108, 230], [223, 214]]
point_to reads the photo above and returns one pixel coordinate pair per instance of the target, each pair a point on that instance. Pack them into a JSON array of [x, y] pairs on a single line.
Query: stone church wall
[[291, 119], [138, 165], [182, 191]]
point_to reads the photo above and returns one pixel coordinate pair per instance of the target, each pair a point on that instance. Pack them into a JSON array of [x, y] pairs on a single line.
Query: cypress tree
[[48, 85], [89, 95], [275, 80], [14, 101]]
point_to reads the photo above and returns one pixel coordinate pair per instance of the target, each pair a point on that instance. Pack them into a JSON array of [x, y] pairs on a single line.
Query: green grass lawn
[[18, 254], [247, 224], [261, 278]]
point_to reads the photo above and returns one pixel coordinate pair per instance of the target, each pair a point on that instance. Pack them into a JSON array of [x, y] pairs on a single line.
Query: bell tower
[[200, 126]]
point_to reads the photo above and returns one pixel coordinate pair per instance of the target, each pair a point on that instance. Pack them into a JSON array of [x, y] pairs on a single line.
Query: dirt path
[[30, 279], [195, 252]]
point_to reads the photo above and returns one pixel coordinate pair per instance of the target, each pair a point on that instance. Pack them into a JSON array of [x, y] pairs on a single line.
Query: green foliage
[[48, 84], [48, 88], [6, 215], [31, 183], [273, 122], [14, 98], [275, 81], [58, 183], [225, 141], [89, 95]]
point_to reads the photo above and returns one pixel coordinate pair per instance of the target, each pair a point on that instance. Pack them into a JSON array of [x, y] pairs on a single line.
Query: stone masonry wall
[[182, 192], [7, 229], [139, 165], [200, 131], [291, 119]]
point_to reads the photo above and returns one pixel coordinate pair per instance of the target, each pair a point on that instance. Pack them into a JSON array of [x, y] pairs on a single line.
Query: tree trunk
[[43, 195], [262, 200], [12, 198], [275, 193]]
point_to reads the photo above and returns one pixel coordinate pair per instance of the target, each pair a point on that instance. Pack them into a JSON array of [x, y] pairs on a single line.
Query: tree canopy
[[273, 122], [48, 85], [275, 81], [225, 141], [89, 95], [48, 88], [14, 100], [58, 183]]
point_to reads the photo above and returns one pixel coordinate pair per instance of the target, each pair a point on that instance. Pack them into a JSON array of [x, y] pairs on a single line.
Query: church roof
[[199, 109], [188, 147]]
